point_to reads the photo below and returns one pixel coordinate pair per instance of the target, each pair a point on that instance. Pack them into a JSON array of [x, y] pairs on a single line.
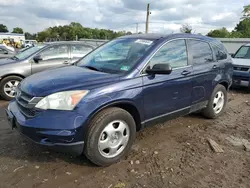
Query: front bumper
[[241, 79], [68, 140]]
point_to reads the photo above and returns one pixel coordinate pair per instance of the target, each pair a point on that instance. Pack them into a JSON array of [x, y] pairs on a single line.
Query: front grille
[[23, 100], [245, 69]]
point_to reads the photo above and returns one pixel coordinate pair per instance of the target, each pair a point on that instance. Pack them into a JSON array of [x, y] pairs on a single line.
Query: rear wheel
[[8, 87], [217, 103], [110, 136]]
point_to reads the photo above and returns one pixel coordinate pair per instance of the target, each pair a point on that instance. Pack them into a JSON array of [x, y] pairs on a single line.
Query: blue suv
[[96, 106]]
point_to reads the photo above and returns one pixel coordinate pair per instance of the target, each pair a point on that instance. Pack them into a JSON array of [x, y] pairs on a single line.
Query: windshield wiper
[[92, 68], [14, 58]]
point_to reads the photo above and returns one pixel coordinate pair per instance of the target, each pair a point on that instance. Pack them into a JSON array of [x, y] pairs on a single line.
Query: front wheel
[[110, 136], [8, 87], [217, 103]]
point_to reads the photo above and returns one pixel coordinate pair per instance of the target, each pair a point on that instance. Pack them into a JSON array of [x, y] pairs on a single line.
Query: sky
[[166, 16]]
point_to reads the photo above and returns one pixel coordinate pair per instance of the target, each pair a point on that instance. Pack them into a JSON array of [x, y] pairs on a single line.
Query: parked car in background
[[36, 59], [96, 106], [6, 52], [29, 43], [241, 62]]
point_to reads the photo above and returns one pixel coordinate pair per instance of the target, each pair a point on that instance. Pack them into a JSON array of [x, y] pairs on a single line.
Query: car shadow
[[241, 90]]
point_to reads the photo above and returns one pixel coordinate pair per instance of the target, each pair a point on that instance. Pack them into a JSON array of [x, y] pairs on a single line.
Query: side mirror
[[160, 69], [232, 55], [37, 58]]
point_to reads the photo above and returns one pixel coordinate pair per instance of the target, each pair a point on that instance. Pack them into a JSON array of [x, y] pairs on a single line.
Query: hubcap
[[10, 88], [219, 101], [113, 139]]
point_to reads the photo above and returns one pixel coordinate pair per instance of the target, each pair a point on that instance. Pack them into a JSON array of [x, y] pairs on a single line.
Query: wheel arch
[[8, 75], [225, 84], [126, 105]]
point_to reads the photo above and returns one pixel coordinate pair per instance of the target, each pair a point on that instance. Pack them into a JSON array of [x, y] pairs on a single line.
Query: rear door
[[52, 57], [168, 94], [78, 51], [205, 70]]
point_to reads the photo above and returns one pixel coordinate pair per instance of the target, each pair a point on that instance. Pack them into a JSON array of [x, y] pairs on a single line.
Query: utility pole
[[147, 18], [136, 28]]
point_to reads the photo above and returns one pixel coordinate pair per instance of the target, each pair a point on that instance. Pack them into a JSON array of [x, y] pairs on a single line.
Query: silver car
[[37, 59]]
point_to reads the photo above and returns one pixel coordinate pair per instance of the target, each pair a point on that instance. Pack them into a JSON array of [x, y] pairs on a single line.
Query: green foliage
[[244, 28], [246, 12], [219, 33], [29, 36], [75, 31], [17, 30], [3, 28]]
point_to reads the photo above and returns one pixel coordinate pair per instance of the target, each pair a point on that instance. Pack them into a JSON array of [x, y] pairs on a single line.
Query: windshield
[[117, 56], [243, 52], [28, 52]]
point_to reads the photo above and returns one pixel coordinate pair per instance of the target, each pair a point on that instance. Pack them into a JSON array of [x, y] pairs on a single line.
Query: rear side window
[[219, 53], [173, 53], [201, 51], [78, 50]]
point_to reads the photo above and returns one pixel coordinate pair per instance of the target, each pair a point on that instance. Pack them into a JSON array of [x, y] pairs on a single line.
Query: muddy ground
[[174, 154]]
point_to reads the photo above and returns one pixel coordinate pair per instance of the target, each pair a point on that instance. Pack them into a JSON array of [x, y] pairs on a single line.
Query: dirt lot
[[174, 154]]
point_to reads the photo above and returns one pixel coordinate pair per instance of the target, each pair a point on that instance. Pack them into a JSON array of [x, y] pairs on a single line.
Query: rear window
[[219, 53]]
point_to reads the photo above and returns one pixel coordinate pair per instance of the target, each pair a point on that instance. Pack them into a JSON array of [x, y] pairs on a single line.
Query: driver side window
[[173, 53], [55, 52]]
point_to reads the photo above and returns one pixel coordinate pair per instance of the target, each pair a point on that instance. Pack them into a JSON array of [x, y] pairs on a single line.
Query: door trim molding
[[165, 115]]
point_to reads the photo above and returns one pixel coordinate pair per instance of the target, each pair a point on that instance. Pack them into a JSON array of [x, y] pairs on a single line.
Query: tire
[[96, 133], [210, 111], [13, 80]]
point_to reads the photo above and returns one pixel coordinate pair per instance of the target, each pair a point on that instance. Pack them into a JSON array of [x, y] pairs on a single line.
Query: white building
[[17, 37]]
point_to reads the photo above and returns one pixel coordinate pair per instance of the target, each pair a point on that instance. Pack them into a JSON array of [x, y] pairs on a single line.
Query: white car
[[241, 62]]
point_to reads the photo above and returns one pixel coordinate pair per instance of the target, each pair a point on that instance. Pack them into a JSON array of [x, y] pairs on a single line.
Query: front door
[[168, 94], [51, 57]]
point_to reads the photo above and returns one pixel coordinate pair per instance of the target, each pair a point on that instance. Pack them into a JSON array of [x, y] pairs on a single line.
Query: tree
[[17, 30], [246, 12], [29, 36], [3, 28], [243, 27], [76, 30], [219, 33], [186, 28]]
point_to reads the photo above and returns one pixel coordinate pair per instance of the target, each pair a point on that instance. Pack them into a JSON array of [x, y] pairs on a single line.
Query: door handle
[[185, 72], [215, 67]]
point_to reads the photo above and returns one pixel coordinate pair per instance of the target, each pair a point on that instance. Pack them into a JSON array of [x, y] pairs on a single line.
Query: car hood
[[7, 61], [64, 79], [241, 62]]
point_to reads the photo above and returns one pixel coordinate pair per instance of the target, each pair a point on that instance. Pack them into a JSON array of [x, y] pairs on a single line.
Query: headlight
[[66, 100]]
